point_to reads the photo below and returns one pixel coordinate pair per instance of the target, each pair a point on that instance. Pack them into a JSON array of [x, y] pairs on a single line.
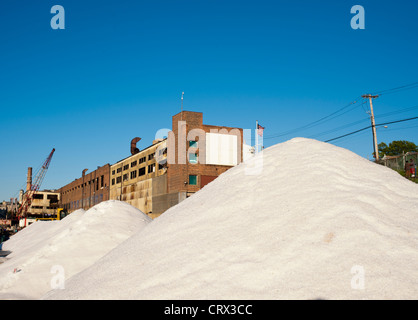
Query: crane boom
[[27, 200]]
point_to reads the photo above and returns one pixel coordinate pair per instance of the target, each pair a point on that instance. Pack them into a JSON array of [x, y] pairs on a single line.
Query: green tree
[[396, 148]]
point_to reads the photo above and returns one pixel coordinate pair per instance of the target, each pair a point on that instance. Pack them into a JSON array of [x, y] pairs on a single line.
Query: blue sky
[[118, 69]]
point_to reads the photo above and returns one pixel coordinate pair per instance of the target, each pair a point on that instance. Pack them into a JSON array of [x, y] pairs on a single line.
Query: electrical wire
[[396, 112], [357, 122], [377, 125], [404, 128], [398, 89], [348, 134], [339, 128], [319, 121], [338, 112]]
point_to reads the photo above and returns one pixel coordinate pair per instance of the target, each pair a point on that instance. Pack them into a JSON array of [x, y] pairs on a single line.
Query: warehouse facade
[[87, 191], [172, 169], [154, 179], [138, 178], [44, 204]]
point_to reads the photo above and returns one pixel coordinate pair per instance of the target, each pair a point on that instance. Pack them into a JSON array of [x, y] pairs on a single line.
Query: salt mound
[[317, 222], [31, 237], [45, 248]]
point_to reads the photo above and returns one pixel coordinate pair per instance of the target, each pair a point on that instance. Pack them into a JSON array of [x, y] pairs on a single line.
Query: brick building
[[170, 170], [158, 177], [87, 191]]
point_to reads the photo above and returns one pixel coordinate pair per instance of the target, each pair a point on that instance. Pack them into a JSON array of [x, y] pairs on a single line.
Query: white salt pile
[[317, 222], [47, 252]]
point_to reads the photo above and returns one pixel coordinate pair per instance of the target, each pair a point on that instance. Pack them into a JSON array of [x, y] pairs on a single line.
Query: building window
[[193, 157], [125, 177], [101, 181], [118, 179], [133, 164], [52, 198], [113, 172], [142, 160], [141, 172], [192, 180], [126, 167], [151, 168], [151, 156], [113, 181], [119, 170], [133, 174], [193, 144], [162, 152]]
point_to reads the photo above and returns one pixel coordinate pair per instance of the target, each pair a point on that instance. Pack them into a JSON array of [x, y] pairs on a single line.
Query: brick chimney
[[29, 180]]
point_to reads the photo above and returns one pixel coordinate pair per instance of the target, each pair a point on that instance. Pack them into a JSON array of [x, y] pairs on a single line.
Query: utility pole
[[376, 149]]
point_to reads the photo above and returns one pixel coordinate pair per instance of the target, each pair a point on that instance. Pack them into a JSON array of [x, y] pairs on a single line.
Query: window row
[[133, 164], [90, 201], [136, 173], [95, 183]]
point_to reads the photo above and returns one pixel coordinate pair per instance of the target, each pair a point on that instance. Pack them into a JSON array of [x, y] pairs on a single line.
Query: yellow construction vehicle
[[59, 216]]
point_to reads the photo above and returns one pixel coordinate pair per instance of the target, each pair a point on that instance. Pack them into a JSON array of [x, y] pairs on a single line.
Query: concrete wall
[[163, 202], [139, 195], [159, 185]]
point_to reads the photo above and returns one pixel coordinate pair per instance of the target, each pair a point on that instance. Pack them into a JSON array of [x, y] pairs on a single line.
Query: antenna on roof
[[182, 94]]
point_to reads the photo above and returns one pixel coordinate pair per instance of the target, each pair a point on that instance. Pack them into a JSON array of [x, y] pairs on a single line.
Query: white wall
[[221, 149]]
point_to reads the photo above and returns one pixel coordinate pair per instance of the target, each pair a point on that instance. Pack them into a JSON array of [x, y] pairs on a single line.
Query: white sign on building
[[221, 149]]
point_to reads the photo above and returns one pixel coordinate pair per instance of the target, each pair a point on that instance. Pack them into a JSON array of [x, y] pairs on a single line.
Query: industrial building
[[44, 204], [170, 170], [86, 191], [139, 178], [163, 174], [39, 204]]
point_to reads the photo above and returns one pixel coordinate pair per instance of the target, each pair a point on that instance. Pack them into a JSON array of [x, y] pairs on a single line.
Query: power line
[[319, 121], [360, 121], [357, 136], [403, 128], [338, 113], [396, 112], [377, 125], [348, 134], [338, 128], [397, 89], [397, 121]]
